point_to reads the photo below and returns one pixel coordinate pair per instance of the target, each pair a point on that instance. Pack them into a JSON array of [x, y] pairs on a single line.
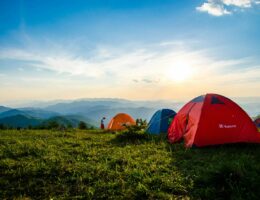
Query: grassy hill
[[94, 165]]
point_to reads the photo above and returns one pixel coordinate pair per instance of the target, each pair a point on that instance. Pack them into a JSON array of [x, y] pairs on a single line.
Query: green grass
[[93, 165]]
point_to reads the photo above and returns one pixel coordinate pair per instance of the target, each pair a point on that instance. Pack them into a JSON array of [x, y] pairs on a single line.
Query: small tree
[[2, 127], [69, 126], [82, 125], [141, 123], [53, 125]]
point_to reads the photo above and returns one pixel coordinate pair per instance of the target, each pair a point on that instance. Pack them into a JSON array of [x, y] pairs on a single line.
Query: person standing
[[102, 125]]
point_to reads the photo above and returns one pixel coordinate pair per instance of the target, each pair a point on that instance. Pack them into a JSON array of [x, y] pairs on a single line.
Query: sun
[[179, 72]]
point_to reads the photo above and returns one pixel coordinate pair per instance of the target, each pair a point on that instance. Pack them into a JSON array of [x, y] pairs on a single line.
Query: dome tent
[[160, 121], [118, 122], [212, 119]]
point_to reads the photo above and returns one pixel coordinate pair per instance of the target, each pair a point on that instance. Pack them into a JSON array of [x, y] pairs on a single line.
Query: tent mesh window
[[215, 100]]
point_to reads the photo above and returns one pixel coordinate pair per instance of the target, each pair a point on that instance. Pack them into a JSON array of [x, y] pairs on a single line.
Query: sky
[[133, 49]]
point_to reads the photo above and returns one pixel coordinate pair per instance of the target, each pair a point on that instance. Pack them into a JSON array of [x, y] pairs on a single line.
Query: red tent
[[212, 119]]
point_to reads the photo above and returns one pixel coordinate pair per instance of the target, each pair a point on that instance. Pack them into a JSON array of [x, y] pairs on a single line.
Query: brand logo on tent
[[227, 126]]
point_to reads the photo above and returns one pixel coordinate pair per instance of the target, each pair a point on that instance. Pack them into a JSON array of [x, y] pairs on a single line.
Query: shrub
[[69, 126], [133, 133], [53, 125], [2, 127], [82, 125], [141, 123]]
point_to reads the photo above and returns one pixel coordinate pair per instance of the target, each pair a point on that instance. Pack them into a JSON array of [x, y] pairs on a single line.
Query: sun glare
[[179, 72]]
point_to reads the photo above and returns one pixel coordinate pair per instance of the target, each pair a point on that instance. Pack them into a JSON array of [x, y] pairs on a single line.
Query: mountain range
[[25, 117], [92, 110]]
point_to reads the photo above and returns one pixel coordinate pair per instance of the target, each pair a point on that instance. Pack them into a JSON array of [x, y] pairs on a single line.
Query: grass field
[[92, 165]]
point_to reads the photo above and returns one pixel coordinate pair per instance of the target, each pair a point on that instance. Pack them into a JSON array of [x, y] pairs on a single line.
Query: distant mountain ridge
[[33, 112], [21, 121], [11, 112], [95, 110], [25, 117], [92, 110], [4, 109]]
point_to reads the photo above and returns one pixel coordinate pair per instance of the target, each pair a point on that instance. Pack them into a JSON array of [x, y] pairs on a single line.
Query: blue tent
[[160, 121]]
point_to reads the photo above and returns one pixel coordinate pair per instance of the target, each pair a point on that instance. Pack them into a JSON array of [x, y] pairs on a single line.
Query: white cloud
[[225, 7], [63, 63], [139, 72], [213, 8], [239, 3]]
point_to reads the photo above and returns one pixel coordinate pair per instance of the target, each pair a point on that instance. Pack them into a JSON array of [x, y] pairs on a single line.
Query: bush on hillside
[[69, 126], [134, 132], [2, 127], [132, 135], [82, 125], [6, 127], [141, 123], [52, 125]]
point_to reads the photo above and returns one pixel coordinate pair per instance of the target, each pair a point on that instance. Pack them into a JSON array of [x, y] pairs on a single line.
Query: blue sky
[[63, 49]]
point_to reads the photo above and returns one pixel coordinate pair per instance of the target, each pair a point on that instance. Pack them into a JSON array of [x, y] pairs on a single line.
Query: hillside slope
[[69, 120], [21, 121], [32, 112], [94, 165], [25, 121], [4, 109]]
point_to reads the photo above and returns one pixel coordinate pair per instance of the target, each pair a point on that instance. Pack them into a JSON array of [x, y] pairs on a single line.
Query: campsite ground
[[88, 164]]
